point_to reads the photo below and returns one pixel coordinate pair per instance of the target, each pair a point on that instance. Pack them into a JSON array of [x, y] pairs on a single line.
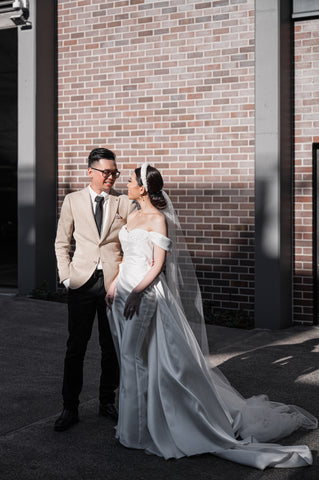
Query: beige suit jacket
[[77, 220]]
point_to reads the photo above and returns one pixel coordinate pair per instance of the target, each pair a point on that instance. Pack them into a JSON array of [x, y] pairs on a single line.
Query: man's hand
[[110, 295]]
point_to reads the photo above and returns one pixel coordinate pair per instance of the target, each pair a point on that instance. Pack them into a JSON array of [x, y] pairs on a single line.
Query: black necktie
[[99, 212]]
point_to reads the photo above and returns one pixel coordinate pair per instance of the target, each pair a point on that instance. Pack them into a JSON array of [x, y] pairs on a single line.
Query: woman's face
[[133, 189]]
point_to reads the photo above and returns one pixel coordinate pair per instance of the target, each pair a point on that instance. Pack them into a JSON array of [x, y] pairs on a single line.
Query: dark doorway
[[8, 158]]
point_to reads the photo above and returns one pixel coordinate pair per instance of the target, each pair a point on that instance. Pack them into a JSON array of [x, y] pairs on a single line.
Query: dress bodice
[[138, 243], [137, 246]]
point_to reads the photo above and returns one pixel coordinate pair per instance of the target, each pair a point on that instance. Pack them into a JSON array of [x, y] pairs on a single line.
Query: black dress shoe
[[66, 420], [109, 410]]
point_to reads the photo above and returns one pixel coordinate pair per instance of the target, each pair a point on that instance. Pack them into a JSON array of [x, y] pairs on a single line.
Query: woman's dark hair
[[154, 186]]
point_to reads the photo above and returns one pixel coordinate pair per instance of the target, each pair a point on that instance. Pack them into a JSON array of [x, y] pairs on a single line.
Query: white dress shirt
[[93, 194]]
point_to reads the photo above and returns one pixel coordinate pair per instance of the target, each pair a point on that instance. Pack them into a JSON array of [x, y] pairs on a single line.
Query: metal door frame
[[315, 233]]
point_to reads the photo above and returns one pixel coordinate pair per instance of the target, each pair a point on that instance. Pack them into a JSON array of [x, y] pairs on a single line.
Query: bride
[[171, 402]]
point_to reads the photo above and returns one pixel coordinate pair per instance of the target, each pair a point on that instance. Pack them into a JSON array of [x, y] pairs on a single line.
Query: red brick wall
[[306, 133], [172, 83]]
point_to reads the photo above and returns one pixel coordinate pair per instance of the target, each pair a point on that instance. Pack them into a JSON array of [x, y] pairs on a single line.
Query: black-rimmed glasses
[[107, 173]]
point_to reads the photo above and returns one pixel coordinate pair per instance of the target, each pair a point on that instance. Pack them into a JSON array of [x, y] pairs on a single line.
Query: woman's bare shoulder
[[157, 223]]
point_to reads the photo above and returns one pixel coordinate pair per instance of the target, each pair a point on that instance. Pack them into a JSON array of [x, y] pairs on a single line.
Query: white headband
[[143, 175]]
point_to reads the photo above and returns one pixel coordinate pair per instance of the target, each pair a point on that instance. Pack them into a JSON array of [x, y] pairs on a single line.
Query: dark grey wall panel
[[305, 8], [274, 160], [37, 149]]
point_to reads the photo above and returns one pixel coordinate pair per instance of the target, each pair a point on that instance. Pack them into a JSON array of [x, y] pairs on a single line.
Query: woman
[[170, 402]]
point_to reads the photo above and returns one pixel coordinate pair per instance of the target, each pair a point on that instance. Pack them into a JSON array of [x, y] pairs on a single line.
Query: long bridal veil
[[257, 417], [181, 277]]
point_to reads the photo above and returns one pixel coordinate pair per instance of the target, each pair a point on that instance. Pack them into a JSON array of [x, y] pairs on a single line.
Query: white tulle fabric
[[170, 402]]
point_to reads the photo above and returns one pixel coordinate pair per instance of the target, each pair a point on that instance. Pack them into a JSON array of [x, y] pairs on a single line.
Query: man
[[94, 217]]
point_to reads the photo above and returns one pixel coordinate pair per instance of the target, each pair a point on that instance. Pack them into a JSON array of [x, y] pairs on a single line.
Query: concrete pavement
[[283, 364]]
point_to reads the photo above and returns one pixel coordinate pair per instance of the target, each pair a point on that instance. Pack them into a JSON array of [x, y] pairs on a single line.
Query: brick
[[306, 41], [159, 84], [205, 19]]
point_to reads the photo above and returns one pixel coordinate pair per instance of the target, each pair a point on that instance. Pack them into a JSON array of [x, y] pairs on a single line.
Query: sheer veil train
[[257, 417], [247, 415]]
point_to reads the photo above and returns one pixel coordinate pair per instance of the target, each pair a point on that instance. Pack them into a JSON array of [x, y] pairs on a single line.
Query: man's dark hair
[[97, 153]]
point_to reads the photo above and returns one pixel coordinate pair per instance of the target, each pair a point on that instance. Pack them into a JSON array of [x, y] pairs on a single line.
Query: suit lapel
[[111, 211], [88, 212]]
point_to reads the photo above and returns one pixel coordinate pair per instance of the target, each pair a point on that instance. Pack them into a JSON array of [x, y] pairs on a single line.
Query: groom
[[94, 217]]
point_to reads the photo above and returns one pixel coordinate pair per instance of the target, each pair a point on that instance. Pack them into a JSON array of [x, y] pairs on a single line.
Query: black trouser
[[83, 304]]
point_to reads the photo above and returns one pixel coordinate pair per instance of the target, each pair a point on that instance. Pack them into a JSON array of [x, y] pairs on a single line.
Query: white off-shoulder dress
[[171, 403]]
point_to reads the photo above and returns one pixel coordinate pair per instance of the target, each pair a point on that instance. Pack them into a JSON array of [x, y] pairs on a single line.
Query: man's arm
[[63, 240]]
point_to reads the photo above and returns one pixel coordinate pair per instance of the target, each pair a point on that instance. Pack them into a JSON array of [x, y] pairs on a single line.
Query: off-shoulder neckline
[[136, 228], [143, 230]]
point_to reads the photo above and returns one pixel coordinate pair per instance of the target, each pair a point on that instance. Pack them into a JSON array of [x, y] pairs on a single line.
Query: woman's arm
[[159, 254], [133, 300]]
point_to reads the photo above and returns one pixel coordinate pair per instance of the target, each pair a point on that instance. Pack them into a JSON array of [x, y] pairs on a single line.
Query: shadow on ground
[[33, 334]]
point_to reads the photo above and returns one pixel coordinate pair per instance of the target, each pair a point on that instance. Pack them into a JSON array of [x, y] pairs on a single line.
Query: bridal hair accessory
[[143, 174]]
